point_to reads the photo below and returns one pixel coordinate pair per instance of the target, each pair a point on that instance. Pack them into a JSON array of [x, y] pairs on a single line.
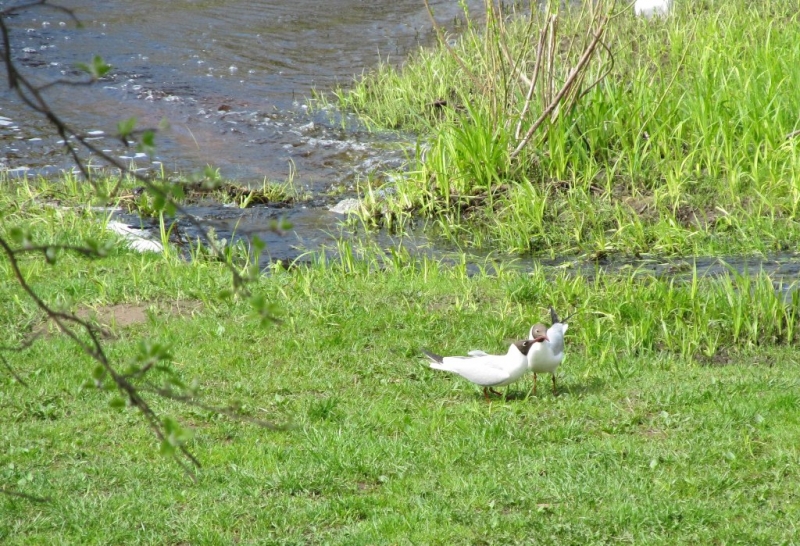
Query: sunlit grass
[[676, 423]]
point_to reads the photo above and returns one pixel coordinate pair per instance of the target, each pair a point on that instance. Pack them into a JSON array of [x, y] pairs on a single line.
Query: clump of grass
[[69, 189], [687, 144], [210, 186], [699, 319]]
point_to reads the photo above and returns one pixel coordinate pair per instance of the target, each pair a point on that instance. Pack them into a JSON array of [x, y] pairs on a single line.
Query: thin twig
[[229, 411], [11, 371], [37, 102], [32, 96], [534, 78], [444, 42], [564, 89], [85, 251]]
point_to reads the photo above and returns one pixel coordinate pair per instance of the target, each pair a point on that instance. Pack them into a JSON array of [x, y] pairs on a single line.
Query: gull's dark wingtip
[[554, 316], [433, 356]]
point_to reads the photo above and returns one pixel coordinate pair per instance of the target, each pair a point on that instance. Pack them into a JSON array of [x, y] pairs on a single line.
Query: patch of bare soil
[[112, 318]]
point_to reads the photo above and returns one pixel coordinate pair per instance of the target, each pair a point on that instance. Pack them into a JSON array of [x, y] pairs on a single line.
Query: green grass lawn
[[679, 399], [676, 421]]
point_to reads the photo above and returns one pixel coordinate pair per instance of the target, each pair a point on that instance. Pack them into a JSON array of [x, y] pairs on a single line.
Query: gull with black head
[[545, 357]]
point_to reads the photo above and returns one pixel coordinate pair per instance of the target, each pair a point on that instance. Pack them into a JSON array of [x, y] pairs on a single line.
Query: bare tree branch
[[566, 88], [82, 332], [94, 349], [11, 371]]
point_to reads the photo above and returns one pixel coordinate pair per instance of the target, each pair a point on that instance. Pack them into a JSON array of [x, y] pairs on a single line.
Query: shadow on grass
[[544, 390]]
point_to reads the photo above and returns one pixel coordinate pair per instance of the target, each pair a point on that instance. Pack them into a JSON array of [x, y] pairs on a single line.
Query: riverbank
[[686, 144], [676, 420]]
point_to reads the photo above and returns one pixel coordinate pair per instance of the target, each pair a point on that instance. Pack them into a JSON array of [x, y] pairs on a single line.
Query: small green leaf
[[126, 127], [17, 235], [159, 202], [253, 272], [257, 243], [96, 247], [96, 69], [175, 436], [170, 425], [177, 192], [167, 448], [147, 144], [104, 248], [149, 138], [99, 373], [225, 294], [100, 67], [211, 178], [258, 302], [117, 402], [281, 224], [152, 353], [175, 382]]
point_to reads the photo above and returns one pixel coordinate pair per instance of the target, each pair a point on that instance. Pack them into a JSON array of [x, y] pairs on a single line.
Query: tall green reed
[[696, 114], [694, 317]]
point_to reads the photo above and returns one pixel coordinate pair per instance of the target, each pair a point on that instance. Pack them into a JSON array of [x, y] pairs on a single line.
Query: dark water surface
[[232, 79]]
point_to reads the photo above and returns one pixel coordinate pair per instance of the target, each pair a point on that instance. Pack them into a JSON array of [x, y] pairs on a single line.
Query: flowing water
[[232, 79]]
